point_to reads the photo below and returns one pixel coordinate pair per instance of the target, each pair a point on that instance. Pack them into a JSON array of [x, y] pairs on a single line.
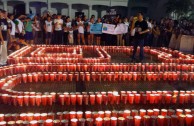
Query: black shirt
[[139, 27], [4, 28]]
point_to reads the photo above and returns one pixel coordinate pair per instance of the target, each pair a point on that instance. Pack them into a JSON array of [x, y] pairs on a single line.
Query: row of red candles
[[145, 120], [22, 68], [99, 67], [184, 58], [103, 76], [94, 114], [92, 99]]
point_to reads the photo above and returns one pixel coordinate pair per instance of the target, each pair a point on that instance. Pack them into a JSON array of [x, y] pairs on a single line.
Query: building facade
[[152, 8]]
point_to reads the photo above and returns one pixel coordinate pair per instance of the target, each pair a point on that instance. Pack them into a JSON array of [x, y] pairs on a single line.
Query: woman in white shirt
[[58, 33], [90, 35], [48, 26], [80, 26], [68, 32]]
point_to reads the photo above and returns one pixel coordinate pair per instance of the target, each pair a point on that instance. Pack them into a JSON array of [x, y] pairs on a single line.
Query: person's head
[[78, 19], [58, 16], [93, 16], [11, 16], [99, 20], [120, 20], [125, 19], [48, 18], [92, 20], [140, 16], [67, 19]]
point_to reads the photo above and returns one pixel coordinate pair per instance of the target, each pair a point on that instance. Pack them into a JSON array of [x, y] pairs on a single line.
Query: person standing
[[3, 37], [141, 29], [48, 28], [98, 36], [28, 31], [58, 33], [80, 25]]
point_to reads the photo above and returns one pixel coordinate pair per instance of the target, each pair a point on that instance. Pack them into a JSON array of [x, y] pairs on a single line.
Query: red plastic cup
[[137, 120], [20, 100], [86, 99], [131, 98], [79, 99], [37, 116], [142, 112], [189, 119], [121, 121], [64, 122], [24, 78], [126, 113], [43, 116], [160, 120], [150, 112], [156, 112], [29, 116], [73, 99], [164, 112], [88, 114], [79, 114], [29, 78], [49, 122], [72, 114], [107, 114], [181, 98], [99, 99], [130, 121], [52, 77], [106, 121], [182, 120], [174, 120], [179, 112], [146, 120], [89, 122], [98, 121], [92, 99], [74, 122]]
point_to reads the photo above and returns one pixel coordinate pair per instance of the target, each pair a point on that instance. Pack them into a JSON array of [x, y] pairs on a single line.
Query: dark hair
[[140, 13]]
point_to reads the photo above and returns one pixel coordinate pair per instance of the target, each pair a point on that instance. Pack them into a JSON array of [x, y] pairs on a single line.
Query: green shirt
[[28, 26]]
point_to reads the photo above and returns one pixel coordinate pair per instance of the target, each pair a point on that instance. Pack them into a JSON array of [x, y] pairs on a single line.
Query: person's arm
[[145, 31], [1, 36]]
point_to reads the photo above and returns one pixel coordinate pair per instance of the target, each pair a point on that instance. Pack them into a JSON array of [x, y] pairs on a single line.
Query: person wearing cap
[[3, 37]]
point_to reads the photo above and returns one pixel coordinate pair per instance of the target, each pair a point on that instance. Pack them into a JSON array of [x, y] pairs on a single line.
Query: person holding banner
[[141, 29], [90, 35], [98, 36]]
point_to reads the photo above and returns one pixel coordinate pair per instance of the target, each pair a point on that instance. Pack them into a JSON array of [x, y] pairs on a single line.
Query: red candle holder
[[137, 120], [121, 121], [98, 121], [89, 122], [160, 120], [79, 114], [113, 121], [107, 121]]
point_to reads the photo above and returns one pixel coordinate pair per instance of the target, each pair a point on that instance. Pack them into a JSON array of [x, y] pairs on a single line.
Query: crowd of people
[[19, 30]]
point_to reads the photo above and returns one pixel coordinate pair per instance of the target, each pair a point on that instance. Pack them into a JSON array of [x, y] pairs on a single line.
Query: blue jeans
[[139, 43]]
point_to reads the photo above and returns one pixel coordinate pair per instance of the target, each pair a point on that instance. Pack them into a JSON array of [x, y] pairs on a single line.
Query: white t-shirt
[[36, 26], [49, 26], [20, 26], [13, 29], [58, 27], [80, 28]]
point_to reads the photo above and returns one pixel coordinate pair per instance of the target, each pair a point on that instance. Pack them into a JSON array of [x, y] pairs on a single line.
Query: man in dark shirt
[[3, 37], [141, 29]]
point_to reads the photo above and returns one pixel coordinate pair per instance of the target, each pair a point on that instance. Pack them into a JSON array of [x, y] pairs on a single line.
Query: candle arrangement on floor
[[41, 64]]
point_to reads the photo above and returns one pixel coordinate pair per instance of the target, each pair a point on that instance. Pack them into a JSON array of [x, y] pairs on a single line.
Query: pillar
[[69, 10], [48, 5], [89, 11], [27, 3], [5, 5]]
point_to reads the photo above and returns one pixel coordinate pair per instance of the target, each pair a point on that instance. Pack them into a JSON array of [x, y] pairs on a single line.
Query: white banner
[[114, 29], [121, 29], [108, 28]]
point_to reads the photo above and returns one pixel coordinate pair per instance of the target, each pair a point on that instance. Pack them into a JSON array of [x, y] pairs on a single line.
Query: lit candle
[[137, 120], [98, 121], [106, 121]]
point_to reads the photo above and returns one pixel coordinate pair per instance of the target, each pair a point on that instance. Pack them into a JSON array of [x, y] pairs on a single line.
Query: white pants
[[3, 53]]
